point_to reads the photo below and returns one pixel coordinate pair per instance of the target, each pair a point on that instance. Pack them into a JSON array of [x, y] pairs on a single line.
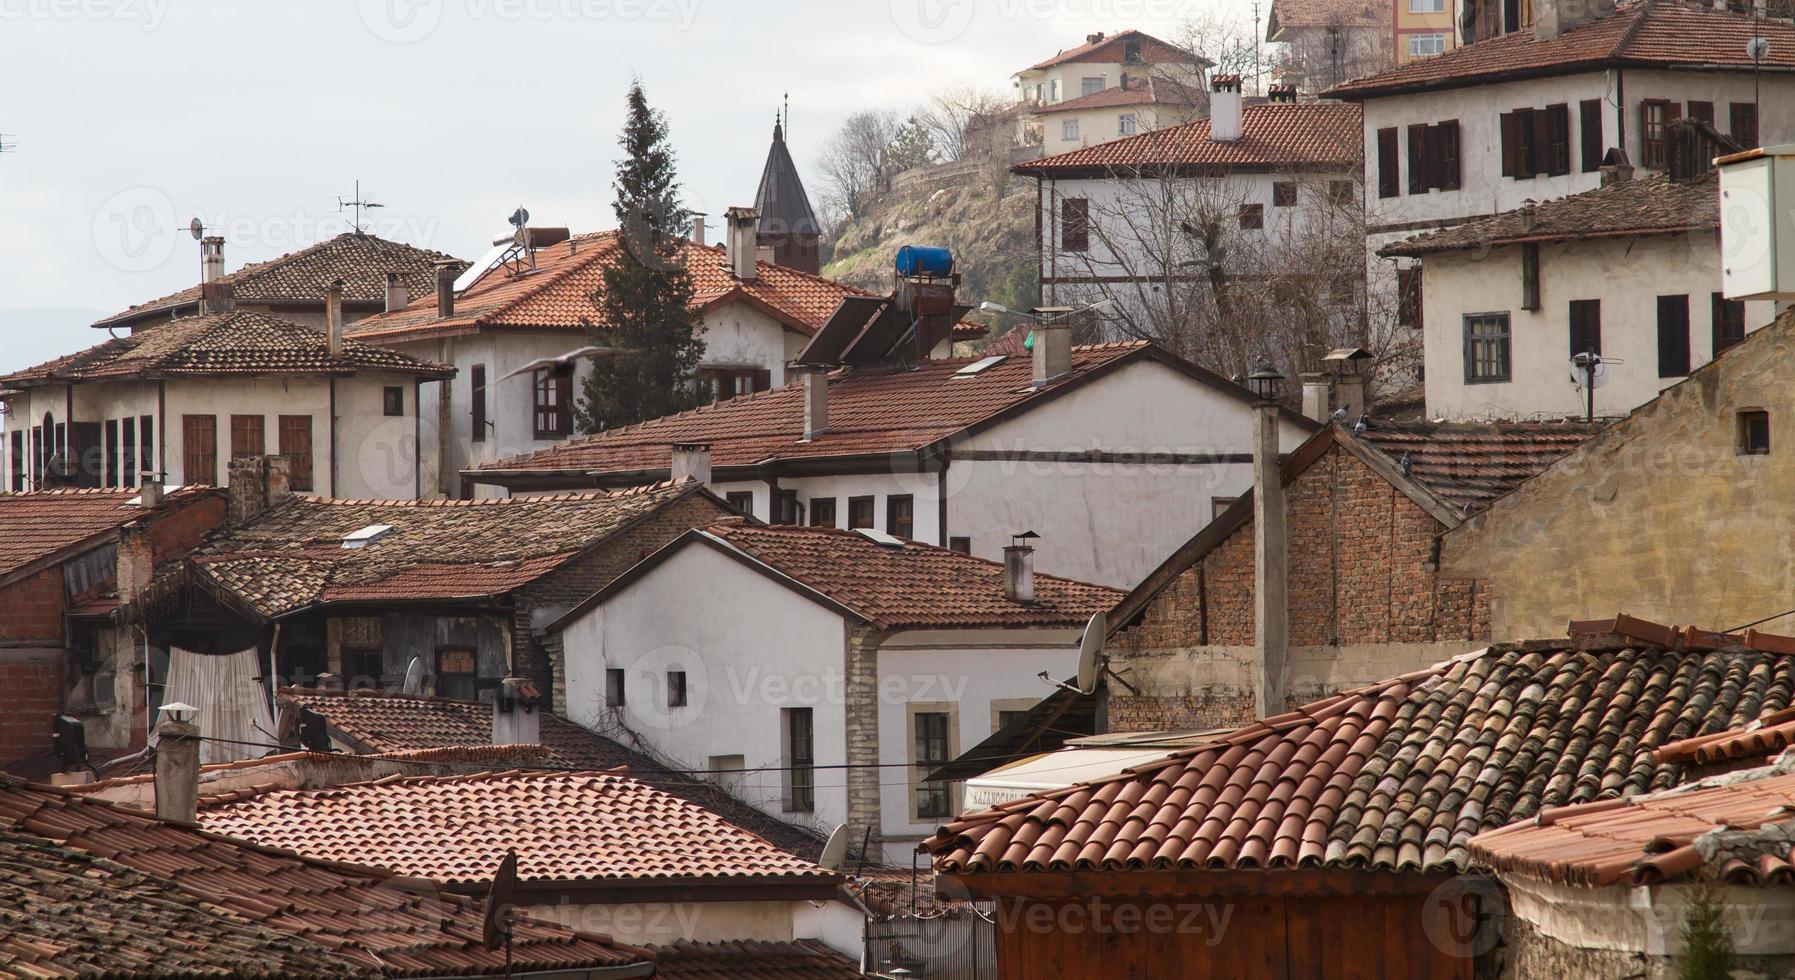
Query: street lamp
[[1264, 382]]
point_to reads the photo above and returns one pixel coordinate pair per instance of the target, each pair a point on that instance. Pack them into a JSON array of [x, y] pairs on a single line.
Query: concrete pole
[[1271, 604], [177, 771]]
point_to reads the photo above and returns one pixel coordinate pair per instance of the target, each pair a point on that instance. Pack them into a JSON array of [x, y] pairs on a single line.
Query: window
[[127, 452], [676, 688], [1426, 45], [15, 471], [1008, 717], [860, 513], [1053, 90], [392, 400], [822, 512], [1536, 141], [800, 760], [1729, 322], [1283, 194], [931, 750], [1673, 336], [1340, 192], [1408, 297], [725, 383], [1127, 124], [900, 516], [553, 411], [37, 454], [787, 508], [1754, 433], [1090, 85], [1589, 134], [1654, 133], [961, 544], [1252, 216], [111, 474], [1418, 160], [1486, 348], [1069, 129], [741, 500], [1131, 52], [614, 694], [1530, 276], [296, 445], [1219, 506], [1389, 181], [477, 401], [456, 674], [1699, 111], [1586, 326], [1742, 123], [146, 437], [1075, 224], [199, 449], [1427, 6], [247, 436]]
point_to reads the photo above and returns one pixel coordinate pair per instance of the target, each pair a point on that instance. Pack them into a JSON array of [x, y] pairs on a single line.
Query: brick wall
[[178, 530], [33, 685], [860, 665], [31, 608]]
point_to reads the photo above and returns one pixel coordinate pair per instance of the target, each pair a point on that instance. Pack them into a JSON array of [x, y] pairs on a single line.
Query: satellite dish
[[414, 677], [519, 218], [197, 230], [1090, 648], [1585, 374], [1758, 48], [835, 852]]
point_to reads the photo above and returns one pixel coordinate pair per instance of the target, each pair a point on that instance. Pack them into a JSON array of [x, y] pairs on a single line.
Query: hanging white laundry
[[231, 698]]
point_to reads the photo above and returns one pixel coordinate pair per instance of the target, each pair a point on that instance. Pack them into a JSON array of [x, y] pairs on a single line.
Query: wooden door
[[199, 450]]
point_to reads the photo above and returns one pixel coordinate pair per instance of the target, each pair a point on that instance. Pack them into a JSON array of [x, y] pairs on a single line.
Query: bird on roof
[[566, 360], [1358, 427], [1407, 464], [1340, 414]]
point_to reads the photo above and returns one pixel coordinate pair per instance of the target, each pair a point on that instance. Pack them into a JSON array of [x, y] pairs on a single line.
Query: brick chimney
[[1053, 351], [692, 461], [177, 767], [211, 258], [1553, 17], [136, 561], [743, 242], [516, 713], [217, 297], [816, 401], [446, 274], [333, 316], [257, 484], [1019, 568], [1225, 119], [1271, 600], [397, 295]]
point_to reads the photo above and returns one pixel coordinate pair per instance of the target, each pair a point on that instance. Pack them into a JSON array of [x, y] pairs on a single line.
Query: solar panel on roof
[[980, 367], [879, 538], [481, 266], [843, 328]]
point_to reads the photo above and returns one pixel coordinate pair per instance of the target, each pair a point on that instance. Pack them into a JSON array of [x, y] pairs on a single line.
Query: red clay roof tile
[[803, 959], [1274, 135], [34, 526]]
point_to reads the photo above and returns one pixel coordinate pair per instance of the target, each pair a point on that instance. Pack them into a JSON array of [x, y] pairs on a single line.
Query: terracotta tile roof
[[803, 959], [1470, 464], [383, 723], [1273, 135], [561, 294], [599, 827], [912, 585], [1397, 776], [241, 342], [1737, 827], [374, 920], [1132, 91], [36, 526], [292, 556], [877, 413], [361, 261], [1646, 33], [1651, 205], [1109, 50], [70, 913], [1324, 13], [1759, 739]]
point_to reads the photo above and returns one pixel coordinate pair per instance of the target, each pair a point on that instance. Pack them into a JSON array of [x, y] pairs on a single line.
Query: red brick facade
[[33, 685], [31, 609]]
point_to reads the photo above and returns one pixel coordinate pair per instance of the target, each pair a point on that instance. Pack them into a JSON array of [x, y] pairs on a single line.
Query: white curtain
[[231, 698]]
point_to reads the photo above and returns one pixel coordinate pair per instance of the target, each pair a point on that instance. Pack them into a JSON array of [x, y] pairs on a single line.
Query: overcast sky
[[132, 117]]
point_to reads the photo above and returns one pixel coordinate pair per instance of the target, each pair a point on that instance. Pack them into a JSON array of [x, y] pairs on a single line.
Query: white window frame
[[1069, 128], [1085, 88], [1437, 45], [917, 767], [1127, 124], [1427, 6]]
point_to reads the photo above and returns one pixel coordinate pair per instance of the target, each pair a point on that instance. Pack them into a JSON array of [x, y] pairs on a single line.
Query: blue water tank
[[925, 260]]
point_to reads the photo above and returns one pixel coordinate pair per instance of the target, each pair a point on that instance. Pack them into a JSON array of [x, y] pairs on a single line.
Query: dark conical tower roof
[[784, 208]]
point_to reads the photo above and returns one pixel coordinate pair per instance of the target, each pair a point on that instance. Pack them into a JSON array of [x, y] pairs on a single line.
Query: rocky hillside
[[955, 205]]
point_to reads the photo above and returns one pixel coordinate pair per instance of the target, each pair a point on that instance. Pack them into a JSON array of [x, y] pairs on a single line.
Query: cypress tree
[[646, 293]]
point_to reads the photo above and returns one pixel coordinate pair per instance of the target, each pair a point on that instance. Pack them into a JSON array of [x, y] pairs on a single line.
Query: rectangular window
[[822, 512], [247, 433], [127, 452], [789, 509], [457, 673], [800, 760], [1589, 134], [296, 446], [1654, 133], [1530, 276], [1090, 85], [1283, 194], [477, 403], [1127, 124], [1434, 157], [1418, 168], [1673, 336], [1427, 6], [961, 544], [1754, 433], [1553, 140], [1408, 297], [1742, 123], [146, 450], [934, 801], [15, 471], [1517, 144], [1586, 326], [676, 688], [860, 513], [1075, 224], [87, 454], [1053, 90], [741, 500], [553, 410], [112, 453], [1219, 506], [1699, 111], [1729, 322], [199, 450], [900, 516], [1252, 216], [1007, 718], [1426, 45], [1069, 129], [1389, 181], [392, 400], [1486, 348], [1447, 169], [1340, 192], [614, 693]]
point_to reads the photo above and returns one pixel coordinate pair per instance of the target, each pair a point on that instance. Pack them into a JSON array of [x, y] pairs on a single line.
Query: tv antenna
[[1589, 371], [359, 203]]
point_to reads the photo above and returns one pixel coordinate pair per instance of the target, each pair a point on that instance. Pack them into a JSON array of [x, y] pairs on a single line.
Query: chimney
[[397, 295], [1271, 604], [1053, 351], [136, 561], [1318, 390], [1281, 93], [257, 484], [446, 274], [1019, 568], [1224, 109], [698, 229], [516, 714], [816, 401], [177, 765], [211, 258], [1096, 38], [333, 316], [149, 489], [741, 243], [217, 297], [692, 461], [1553, 17]]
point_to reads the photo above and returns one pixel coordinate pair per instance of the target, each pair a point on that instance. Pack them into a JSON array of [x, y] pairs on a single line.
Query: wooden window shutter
[[199, 450], [763, 379], [1418, 172], [1388, 183], [1589, 134], [296, 446], [1530, 276], [1451, 168], [1511, 145]]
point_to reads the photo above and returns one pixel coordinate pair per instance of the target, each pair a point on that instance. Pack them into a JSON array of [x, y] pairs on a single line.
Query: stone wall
[[860, 666]]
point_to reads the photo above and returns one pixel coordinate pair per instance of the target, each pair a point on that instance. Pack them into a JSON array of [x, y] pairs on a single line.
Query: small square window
[[676, 688], [1127, 124], [1069, 129], [394, 400], [860, 513], [1252, 216], [742, 501], [1754, 433], [613, 687], [1340, 192], [1283, 194], [963, 545]]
